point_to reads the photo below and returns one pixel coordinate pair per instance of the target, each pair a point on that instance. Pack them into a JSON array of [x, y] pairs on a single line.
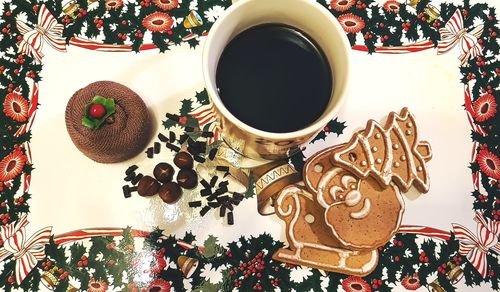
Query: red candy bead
[[97, 111]]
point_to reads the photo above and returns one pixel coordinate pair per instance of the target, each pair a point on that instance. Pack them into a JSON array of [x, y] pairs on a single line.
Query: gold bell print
[[187, 265], [50, 281], [432, 13], [71, 9], [193, 20], [413, 3], [455, 274], [435, 287]]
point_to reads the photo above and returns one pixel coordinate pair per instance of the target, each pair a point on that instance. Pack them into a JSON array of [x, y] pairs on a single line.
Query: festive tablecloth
[[66, 225]]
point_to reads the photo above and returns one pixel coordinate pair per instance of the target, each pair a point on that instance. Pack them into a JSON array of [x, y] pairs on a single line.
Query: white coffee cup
[[305, 15]]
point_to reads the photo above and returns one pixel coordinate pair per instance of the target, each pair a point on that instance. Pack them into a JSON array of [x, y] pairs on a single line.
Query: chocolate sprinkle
[[171, 137], [199, 158], [214, 204], [229, 206], [149, 152], [201, 146], [204, 210], [205, 192], [222, 211], [130, 177], [194, 204], [173, 147], [230, 218], [222, 199], [207, 134], [205, 183], [133, 189], [193, 151], [126, 191], [212, 197], [223, 183], [131, 169], [222, 168], [213, 181], [157, 147], [212, 153], [172, 117], [183, 138], [220, 190], [137, 179], [238, 196], [235, 202], [162, 137]]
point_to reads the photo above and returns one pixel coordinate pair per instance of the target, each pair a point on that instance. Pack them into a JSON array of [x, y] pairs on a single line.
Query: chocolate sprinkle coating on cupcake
[[119, 141]]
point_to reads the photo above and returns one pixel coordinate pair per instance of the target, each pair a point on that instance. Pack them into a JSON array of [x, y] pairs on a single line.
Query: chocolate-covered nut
[[183, 160], [170, 192], [187, 178], [164, 172], [148, 186]]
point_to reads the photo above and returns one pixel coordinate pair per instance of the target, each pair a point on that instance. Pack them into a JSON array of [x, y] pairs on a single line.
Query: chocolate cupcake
[[122, 135]]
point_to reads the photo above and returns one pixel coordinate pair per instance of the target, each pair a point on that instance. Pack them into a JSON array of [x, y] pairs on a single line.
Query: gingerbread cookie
[[310, 239], [361, 213], [391, 153], [316, 166], [351, 201]]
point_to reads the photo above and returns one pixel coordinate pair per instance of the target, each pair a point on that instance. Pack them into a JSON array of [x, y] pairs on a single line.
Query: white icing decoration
[[309, 218], [395, 146], [403, 158], [374, 148], [346, 180], [363, 212], [377, 136], [408, 132], [409, 124], [396, 164], [342, 253], [378, 160], [323, 190], [353, 198], [419, 168], [318, 168], [363, 163], [334, 190]]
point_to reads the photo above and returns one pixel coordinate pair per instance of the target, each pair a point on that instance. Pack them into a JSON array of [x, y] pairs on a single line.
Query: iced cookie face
[[362, 213], [316, 166]]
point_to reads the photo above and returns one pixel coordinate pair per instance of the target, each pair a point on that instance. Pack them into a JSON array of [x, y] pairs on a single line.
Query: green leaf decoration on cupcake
[[97, 111]]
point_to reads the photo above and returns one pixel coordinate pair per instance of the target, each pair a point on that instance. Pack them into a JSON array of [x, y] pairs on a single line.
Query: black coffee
[[274, 78]]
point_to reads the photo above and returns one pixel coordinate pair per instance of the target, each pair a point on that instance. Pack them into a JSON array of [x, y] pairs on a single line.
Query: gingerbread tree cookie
[[390, 153]]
